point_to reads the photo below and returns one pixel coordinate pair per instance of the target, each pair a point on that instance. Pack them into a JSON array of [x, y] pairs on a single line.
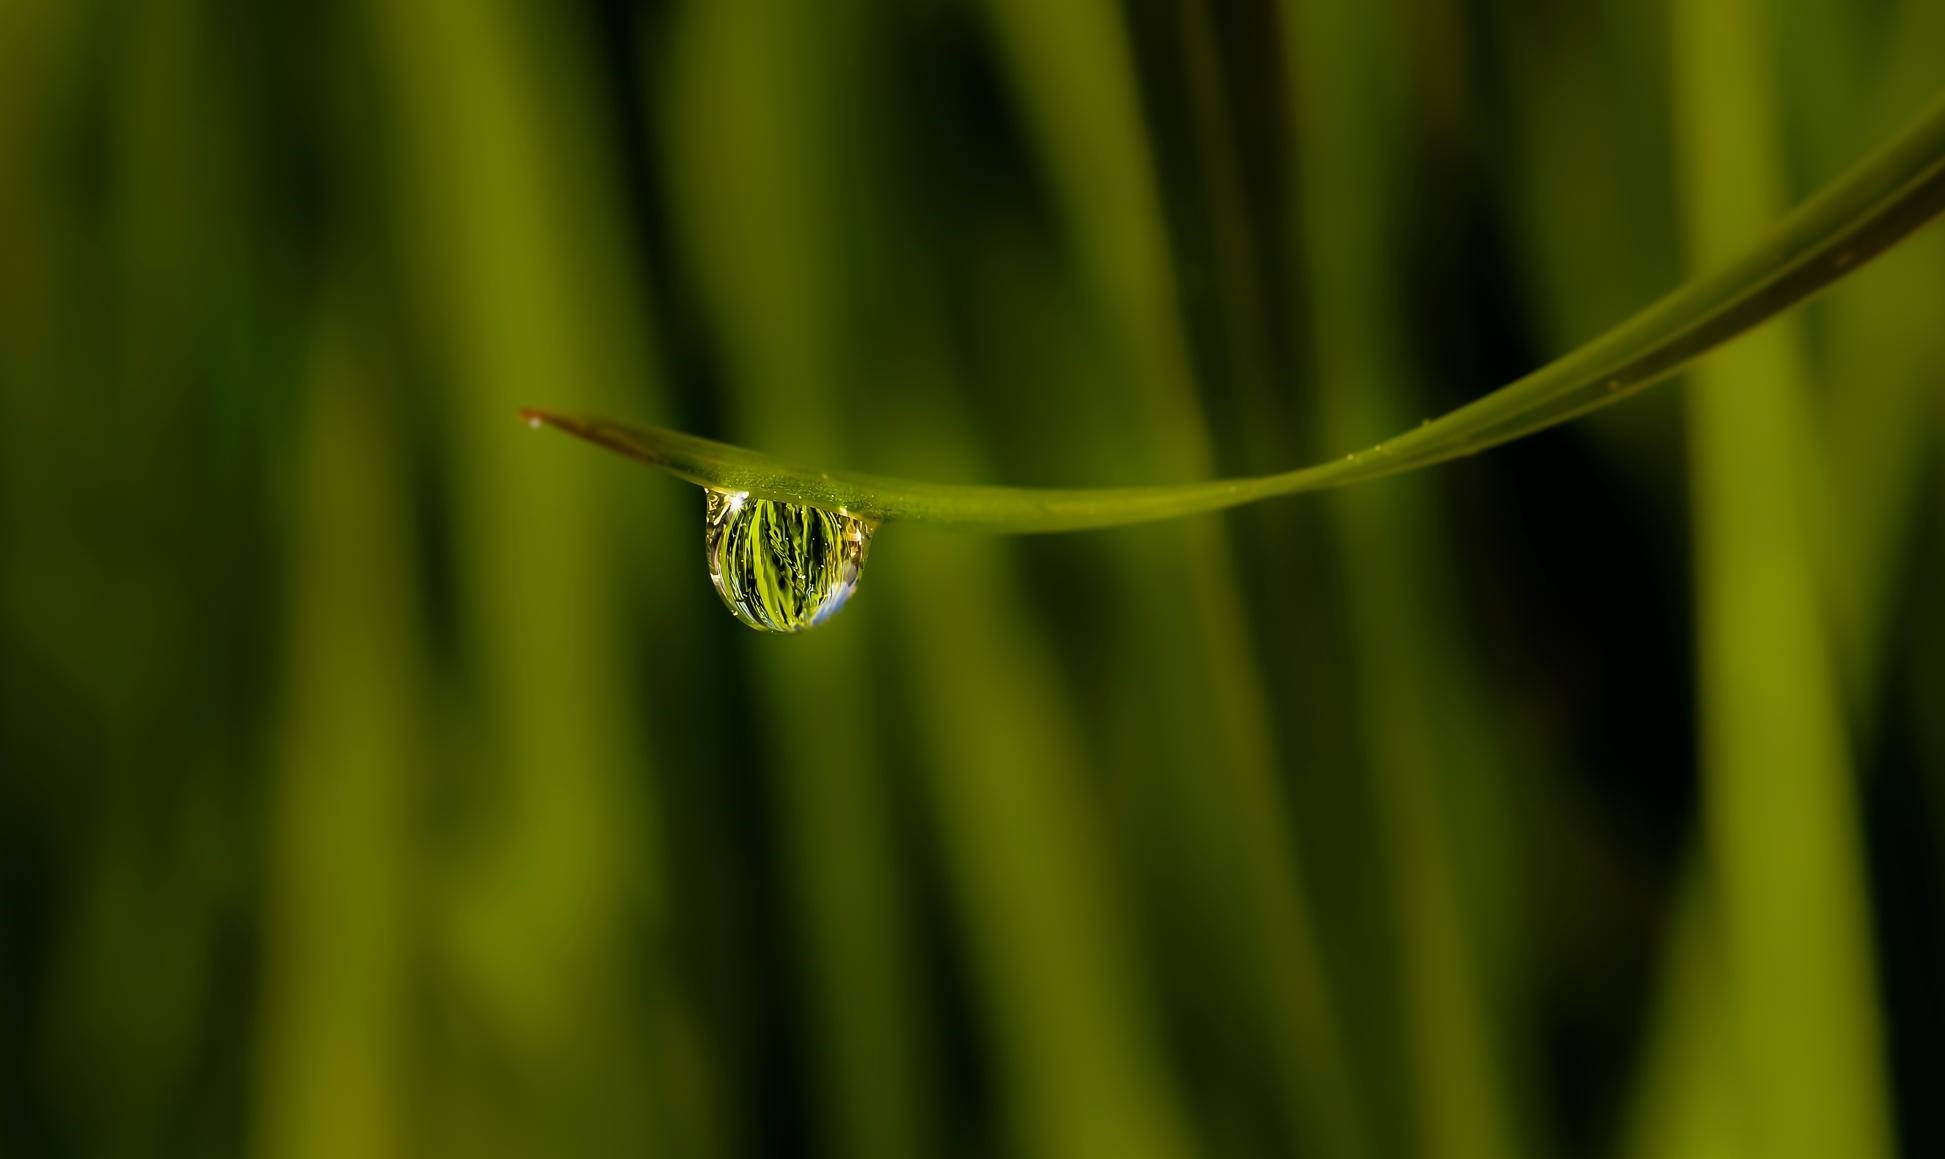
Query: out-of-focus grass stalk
[[1683, 1105], [752, 111], [1878, 343], [507, 223], [1587, 186], [39, 230], [1779, 805], [1070, 1017], [1199, 695], [332, 1080], [1068, 1020], [1249, 814], [1349, 115], [122, 274]]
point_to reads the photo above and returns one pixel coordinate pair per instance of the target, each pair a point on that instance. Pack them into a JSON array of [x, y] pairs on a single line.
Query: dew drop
[[782, 567]]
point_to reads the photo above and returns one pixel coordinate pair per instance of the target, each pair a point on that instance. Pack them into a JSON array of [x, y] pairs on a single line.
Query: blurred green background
[[380, 779]]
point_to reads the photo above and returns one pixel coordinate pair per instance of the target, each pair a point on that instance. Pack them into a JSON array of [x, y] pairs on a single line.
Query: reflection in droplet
[[782, 567]]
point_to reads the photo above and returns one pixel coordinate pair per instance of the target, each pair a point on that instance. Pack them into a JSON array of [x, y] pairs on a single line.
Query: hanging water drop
[[782, 567]]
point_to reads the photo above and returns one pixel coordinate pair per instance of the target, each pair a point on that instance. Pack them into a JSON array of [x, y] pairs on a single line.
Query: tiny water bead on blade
[[782, 567]]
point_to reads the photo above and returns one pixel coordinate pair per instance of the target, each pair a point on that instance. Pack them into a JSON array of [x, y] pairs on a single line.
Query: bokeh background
[[378, 778]]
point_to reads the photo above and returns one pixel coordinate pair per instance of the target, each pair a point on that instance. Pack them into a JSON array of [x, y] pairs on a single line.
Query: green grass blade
[[542, 924], [1781, 809], [1860, 215], [1194, 696], [333, 1055], [753, 117], [1420, 719]]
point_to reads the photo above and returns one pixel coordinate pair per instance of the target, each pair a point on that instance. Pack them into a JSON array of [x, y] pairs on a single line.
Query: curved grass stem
[[1878, 203]]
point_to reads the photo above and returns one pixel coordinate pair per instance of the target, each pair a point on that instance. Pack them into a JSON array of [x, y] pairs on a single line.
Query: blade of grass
[[1880, 338], [333, 1074], [1067, 999], [1069, 1040], [754, 113], [1860, 215], [1191, 697], [553, 889], [1583, 175], [1682, 1105], [1421, 725], [1780, 814], [148, 656]]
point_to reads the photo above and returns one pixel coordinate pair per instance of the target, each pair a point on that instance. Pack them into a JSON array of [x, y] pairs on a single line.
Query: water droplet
[[782, 567]]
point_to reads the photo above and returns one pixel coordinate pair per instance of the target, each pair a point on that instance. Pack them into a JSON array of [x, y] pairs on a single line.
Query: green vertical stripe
[[1779, 802]]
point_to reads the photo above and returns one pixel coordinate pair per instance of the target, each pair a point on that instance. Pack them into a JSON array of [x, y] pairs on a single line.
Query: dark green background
[[378, 778]]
